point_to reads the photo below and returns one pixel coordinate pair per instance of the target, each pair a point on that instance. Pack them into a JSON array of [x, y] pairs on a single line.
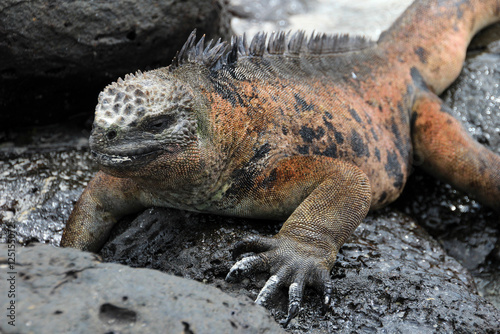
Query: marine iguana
[[312, 131]]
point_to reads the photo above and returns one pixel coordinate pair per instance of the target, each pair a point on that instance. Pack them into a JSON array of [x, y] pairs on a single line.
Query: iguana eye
[[159, 124]]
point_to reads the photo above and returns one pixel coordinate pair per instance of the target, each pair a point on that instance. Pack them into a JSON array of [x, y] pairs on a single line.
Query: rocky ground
[[406, 269], [69, 291]]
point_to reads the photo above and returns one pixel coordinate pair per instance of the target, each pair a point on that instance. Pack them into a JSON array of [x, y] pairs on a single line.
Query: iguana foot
[[290, 263]]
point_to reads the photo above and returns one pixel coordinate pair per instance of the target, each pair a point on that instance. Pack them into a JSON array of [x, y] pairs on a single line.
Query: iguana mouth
[[137, 158]]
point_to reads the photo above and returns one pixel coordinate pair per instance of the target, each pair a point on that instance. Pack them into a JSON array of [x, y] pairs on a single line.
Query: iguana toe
[[295, 294], [270, 288], [254, 243], [245, 266]]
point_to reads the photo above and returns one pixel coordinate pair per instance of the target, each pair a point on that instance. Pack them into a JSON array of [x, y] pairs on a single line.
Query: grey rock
[[58, 55], [69, 291], [390, 277]]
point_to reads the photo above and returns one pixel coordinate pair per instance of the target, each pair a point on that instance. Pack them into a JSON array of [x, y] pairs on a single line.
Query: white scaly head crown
[[125, 102]]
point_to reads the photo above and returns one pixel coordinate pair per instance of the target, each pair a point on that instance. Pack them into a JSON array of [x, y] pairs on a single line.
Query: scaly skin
[[314, 134]]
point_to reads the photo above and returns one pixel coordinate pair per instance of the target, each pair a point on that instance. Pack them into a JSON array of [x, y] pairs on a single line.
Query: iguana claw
[[288, 268]]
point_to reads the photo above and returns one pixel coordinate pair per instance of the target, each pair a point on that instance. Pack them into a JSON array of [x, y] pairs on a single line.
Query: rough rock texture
[[42, 173], [58, 55], [391, 277], [114, 298]]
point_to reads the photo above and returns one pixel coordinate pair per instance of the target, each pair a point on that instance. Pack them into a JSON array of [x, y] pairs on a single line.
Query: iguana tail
[[433, 36]]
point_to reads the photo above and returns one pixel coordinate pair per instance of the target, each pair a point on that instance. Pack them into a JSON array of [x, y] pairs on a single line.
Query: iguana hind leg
[[305, 249], [444, 149]]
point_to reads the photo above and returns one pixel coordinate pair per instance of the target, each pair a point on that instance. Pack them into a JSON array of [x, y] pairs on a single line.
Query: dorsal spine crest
[[262, 45]]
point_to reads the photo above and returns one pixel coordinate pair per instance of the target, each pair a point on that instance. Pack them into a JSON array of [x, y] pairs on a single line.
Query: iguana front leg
[[305, 249], [105, 200]]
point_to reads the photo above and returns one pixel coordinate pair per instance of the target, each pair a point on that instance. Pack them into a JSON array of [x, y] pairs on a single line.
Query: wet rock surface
[[391, 276], [58, 55], [112, 298], [42, 173]]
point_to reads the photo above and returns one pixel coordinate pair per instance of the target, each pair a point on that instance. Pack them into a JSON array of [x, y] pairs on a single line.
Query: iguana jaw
[[135, 158], [124, 161], [134, 153], [128, 151]]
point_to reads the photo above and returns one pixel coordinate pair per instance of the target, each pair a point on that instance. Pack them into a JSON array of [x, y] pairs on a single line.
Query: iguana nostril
[[111, 134]]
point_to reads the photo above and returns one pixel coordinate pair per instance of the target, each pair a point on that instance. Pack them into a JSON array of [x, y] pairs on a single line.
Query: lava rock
[[112, 298], [390, 277], [39, 190], [56, 56]]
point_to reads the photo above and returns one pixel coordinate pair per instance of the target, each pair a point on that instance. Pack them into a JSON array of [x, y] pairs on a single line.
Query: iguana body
[[314, 132]]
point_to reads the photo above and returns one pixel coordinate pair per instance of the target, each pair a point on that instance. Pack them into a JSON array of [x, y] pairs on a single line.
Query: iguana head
[[144, 119]]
